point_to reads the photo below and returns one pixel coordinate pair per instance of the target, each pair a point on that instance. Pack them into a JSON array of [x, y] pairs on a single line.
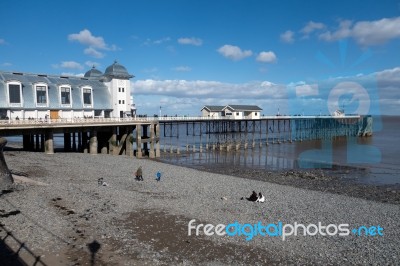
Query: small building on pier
[[232, 111], [41, 96], [213, 111]]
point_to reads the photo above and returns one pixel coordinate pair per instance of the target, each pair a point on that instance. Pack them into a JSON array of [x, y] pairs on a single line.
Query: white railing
[[102, 120], [96, 120]]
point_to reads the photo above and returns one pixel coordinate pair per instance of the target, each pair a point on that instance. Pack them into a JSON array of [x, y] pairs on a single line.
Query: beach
[[69, 219]]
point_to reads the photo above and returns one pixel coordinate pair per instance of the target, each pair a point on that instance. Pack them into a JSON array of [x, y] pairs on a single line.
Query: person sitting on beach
[[253, 197], [260, 198], [139, 173]]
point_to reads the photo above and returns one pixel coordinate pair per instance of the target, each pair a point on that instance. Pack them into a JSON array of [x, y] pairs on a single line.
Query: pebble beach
[[64, 217]]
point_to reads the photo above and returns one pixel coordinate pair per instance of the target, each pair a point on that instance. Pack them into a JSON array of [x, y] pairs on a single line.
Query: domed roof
[[93, 73], [117, 71]]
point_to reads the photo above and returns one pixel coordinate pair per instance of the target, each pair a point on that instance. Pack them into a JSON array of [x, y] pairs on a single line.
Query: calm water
[[372, 160]]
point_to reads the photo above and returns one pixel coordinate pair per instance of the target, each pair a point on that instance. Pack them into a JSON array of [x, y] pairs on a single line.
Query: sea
[[373, 160]]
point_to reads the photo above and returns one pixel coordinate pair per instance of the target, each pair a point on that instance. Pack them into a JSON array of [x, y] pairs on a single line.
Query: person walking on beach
[[139, 173]]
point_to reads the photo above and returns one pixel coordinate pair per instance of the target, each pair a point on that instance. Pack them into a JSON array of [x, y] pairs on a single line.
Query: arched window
[[41, 95], [14, 93]]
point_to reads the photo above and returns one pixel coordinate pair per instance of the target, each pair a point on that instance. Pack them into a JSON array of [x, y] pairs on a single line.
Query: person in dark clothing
[[139, 174], [253, 197]]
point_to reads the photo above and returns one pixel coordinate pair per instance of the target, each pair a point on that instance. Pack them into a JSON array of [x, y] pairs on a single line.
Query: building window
[[123, 89], [119, 89], [237, 113], [41, 95], [65, 95], [87, 97], [119, 101], [14, 92], [123, 101], [255, 114]]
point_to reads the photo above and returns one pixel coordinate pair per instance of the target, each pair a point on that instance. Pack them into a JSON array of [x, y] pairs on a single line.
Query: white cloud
[[85, 37], [311, 27], [2, 41], [287, 36], [184, 96], [343, 31], [307, 90], [366, 33], [93, 52], [182, 69], [149, 41], [6, 64], [94, 43], [160, 41], [150, 70], [208, 89], [72, 74], [266, 57], [92, 63], [191, 41], [234, 52], [71, 65]]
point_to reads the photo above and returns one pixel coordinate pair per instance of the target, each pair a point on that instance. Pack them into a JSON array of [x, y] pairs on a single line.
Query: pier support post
[[152, 138], [157, 128], [112, 142], [49, 143], [129, 142], [37, 147], [237, 146], [67, 141], [74, 141], [26, 142], [32, 142], [93, 144], [85, 142], [139, 141], [42, 139], [79, 141]]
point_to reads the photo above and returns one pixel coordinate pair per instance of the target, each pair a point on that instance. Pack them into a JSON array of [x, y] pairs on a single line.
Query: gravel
[[146, 222]]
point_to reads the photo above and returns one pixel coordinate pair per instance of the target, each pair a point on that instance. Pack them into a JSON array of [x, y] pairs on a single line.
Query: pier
[[133, 137], [143, 136], [199, 133]]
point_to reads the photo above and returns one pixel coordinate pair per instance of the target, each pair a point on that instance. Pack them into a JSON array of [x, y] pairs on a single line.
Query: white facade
[[242, 111], [120, 91], [42, 96], [213, 114]]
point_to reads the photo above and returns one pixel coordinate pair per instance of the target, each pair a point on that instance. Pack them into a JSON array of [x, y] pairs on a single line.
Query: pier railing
[[140, 119]]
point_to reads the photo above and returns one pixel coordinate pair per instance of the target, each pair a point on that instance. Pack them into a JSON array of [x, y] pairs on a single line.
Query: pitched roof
[[243, 107], [213, 108]]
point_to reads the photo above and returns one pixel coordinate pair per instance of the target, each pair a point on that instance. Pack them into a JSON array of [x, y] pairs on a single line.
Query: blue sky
[[292, 55]]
